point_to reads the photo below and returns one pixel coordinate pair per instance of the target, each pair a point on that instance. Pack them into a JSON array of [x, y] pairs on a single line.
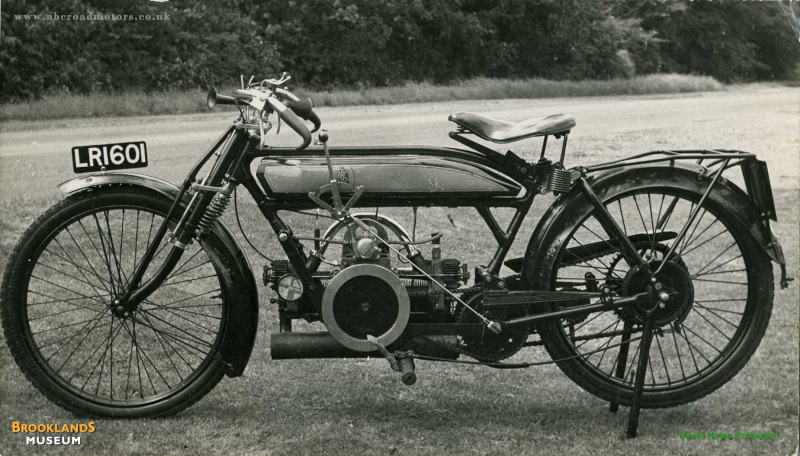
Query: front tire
[[701, 342], [60, 280]]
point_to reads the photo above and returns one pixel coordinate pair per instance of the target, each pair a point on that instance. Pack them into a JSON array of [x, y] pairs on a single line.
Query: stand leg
[[622, 360], [641, 371]]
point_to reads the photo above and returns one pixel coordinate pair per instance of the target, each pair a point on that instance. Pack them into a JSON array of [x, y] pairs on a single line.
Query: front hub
[[672, 289], [121, 308]]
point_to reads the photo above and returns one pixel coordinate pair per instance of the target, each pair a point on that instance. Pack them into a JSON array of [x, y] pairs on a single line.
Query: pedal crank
[[401, 361]]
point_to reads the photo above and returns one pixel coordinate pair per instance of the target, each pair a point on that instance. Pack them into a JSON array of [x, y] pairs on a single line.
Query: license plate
[[109, 157]]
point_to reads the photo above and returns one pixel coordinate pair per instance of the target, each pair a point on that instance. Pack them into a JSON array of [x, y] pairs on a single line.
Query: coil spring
[[559, 180], [213, 212]]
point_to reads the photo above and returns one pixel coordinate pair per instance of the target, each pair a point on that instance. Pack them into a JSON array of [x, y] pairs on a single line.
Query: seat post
[[563, 149], [544, 146]]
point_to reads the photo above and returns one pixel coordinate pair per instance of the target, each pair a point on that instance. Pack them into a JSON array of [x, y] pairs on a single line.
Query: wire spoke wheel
[[718, 279], [57, 305]]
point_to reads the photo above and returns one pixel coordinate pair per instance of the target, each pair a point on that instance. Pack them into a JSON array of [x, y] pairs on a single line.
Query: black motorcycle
[[648, 280]]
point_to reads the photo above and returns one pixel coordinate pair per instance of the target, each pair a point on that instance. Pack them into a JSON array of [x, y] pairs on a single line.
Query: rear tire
[[700, 344], [59, 282]]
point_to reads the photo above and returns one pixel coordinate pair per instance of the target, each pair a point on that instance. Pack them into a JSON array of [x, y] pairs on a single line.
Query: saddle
[[500, 131]]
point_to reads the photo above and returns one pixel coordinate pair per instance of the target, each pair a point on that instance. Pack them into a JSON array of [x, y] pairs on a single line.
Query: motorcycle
[[648, 280]]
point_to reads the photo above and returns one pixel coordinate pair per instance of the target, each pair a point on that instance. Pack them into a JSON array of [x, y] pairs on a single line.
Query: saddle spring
[[559, 180]]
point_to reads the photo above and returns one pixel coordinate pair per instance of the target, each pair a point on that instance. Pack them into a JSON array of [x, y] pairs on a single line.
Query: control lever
[[339, 209]]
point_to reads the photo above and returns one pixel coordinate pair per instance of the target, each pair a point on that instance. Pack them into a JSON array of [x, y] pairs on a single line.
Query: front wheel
[[721, 282], [63, 275]]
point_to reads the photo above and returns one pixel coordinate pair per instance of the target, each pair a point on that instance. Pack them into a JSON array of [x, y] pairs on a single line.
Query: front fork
[[228, 148]]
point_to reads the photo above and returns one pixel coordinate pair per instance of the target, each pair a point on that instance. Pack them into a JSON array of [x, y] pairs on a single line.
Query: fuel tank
[[393, 175]]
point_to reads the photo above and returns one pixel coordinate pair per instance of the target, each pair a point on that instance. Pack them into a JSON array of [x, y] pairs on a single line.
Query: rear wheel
[[63, 275], [720, 278]]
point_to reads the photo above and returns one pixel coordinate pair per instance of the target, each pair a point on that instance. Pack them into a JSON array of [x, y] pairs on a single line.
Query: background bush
[[328, 44]]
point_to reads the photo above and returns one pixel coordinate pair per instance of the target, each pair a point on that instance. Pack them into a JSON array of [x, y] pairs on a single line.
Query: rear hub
[[673, 279]]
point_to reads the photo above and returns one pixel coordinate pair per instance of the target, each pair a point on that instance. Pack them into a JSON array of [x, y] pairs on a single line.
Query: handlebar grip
[[304, 109], [214, 99], [291, 119], [314, 118]]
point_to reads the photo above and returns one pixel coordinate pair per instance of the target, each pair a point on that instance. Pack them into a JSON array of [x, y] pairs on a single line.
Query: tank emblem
[[343, 176]]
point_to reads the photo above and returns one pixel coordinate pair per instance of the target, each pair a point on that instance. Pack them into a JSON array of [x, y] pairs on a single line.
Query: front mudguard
[[240, 332], [608, 183]]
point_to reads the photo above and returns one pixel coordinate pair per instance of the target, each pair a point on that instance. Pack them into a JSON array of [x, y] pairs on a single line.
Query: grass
[[497, 89], [64, 106], [346, 407]]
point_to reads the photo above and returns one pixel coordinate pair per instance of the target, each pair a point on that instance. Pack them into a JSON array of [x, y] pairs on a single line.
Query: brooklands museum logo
[[52, 434]]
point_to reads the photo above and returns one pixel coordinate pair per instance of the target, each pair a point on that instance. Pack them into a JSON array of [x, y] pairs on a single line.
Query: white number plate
[[108, 157]]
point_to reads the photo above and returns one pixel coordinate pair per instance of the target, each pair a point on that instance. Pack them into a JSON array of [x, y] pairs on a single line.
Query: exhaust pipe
[[291, 345]]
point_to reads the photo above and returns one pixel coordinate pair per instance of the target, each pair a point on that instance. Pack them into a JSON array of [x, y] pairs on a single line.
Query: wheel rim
[[136, 360], [690, 342]]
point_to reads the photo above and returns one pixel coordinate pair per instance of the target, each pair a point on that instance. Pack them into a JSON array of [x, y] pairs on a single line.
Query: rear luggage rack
[[717, 155], [754, 172]]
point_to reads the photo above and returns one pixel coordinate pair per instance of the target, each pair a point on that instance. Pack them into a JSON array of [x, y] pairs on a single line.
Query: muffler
[[290, 345]]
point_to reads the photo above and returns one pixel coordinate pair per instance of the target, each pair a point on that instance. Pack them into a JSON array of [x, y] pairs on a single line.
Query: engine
[[366, 294]]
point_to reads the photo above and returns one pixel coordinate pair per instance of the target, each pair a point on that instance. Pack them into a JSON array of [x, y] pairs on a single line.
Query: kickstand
[[641, 370], [622, 359]]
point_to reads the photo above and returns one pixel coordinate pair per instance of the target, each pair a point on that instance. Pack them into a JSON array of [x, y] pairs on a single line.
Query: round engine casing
[[365, 299]]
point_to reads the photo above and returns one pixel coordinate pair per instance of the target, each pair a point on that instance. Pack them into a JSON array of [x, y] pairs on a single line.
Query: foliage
[[731, 41], [330, 44]]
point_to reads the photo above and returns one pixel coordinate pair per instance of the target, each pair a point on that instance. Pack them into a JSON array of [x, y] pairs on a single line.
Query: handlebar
[[293, 112], [293, 120], [304, 109]]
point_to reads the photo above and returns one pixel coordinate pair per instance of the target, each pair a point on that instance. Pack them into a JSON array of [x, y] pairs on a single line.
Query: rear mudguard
[[686, 175], [240, 332]]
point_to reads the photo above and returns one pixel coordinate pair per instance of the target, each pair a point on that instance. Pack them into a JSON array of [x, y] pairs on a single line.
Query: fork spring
[[215, 209]]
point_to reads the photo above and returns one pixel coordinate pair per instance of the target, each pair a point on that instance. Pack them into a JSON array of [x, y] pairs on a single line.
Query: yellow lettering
[[14, 426], [73, 428], [91, 426], [83, 427]]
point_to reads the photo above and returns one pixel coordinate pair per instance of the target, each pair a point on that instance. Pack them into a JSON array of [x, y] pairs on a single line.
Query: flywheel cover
[[390, 299]]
